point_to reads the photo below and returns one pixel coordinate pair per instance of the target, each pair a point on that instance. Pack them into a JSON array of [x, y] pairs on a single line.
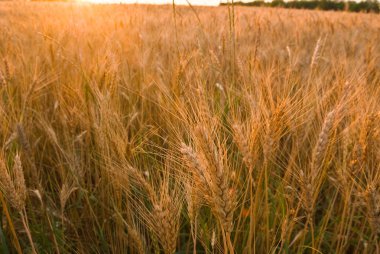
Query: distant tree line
[[366, 6]]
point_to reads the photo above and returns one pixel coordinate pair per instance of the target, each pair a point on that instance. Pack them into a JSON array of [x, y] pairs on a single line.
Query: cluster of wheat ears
[[141, 129]]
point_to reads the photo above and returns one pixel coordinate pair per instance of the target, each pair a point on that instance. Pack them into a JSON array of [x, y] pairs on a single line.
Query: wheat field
[[161, 129]]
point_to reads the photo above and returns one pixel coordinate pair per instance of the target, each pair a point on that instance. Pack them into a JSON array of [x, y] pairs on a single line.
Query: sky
[[193, 2]]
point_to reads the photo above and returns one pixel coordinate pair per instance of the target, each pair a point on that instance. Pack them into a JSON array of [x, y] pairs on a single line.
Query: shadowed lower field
[[140, 129]]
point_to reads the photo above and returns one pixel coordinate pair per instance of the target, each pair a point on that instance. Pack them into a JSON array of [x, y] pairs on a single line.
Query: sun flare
[[179, 2]]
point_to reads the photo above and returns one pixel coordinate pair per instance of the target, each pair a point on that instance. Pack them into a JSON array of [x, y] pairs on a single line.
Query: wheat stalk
[[15, 190]]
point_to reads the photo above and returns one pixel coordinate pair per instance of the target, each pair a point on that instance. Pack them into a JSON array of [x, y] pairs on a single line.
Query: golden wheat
[[147, 129]]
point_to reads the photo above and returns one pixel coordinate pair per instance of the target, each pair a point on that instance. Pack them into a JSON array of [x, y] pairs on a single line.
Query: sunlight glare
[[179, 2]]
